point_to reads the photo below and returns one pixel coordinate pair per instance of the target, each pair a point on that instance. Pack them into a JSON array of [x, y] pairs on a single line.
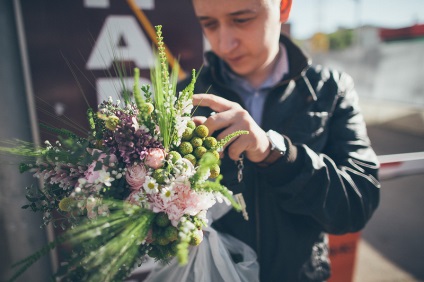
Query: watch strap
[[273, 155]]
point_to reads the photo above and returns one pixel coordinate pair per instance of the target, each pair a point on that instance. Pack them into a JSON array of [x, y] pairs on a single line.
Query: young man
[[308, 167]]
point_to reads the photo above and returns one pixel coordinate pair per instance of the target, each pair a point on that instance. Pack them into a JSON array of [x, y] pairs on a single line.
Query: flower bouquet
[[138, 184]]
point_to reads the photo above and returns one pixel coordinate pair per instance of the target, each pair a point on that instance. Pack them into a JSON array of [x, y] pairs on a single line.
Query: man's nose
[[227, 40]]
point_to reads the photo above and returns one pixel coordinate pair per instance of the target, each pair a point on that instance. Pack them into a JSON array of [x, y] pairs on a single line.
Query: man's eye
[[209, 25], [242, 20]]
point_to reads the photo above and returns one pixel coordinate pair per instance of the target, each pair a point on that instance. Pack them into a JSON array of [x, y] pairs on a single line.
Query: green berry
[[154, 253], [196, 142], [214, 153], [171, 233], [112, 122], [199, 152], [191, 158], [215, 171], [202, 131], [167, 252], [210, 142], [162, 241], [148, 108], [196, 238], [159, 175], [174, 248], [162, 219], [66, 204], [174, 156], [185, 148], [191, 124], [187, 134]]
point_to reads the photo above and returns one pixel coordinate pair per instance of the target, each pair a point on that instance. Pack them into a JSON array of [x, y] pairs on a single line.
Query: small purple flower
[[129, 140]]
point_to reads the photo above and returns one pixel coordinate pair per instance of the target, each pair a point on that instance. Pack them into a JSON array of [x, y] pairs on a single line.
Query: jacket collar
[[299, 63]]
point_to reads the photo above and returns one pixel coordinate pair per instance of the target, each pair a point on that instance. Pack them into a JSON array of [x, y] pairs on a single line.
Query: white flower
[[105, 178], [187, 167], [189, 225], [150, 185], [166, 194], [135, 123], [181, 125], [202, 215], [82, 181], [220, 198]]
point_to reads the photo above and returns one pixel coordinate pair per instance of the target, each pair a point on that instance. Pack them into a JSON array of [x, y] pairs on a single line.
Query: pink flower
[[133, 198], [155, 158], [136, 176], [175, 213], [91, 174]]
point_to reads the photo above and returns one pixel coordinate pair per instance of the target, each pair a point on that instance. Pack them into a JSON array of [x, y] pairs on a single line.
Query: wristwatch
[[278, 148]]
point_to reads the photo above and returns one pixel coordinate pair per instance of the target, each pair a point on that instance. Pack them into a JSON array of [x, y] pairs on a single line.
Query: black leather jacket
[[330, 187]]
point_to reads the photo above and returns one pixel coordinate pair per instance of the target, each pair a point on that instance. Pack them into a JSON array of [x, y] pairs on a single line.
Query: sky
[[310, 16]]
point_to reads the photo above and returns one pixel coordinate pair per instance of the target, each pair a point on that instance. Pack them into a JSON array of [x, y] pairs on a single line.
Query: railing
[[398, 165], [343, 248]]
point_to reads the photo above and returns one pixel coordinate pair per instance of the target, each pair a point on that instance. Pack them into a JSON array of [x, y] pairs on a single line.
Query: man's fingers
[[198, 120], [216, 103]]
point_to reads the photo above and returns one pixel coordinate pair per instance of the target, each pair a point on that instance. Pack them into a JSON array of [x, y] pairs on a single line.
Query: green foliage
[[221, 143], [61, 132], [97, 125], [142, 103], [341, 39], [164, 86], [24, 264], [207, 162], [105, 248]]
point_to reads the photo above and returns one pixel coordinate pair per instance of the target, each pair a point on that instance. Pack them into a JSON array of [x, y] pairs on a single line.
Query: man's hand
[[231, 117]]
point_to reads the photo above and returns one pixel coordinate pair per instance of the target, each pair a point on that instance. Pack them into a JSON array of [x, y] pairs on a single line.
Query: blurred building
[[406, 33]]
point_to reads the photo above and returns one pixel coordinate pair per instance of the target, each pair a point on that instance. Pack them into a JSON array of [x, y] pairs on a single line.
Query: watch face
[[277, 141]]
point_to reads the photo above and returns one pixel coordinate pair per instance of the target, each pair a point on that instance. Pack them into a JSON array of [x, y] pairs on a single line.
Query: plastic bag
[[212, 260]]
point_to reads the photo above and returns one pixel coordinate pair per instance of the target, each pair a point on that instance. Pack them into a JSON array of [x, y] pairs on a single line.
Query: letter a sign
[[73, 45]]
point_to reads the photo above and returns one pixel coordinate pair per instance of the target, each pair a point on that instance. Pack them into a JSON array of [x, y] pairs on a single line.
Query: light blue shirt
[[254, 98]]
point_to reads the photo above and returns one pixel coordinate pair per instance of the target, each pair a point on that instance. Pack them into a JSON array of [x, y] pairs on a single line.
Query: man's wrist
[[272, 157], [278, 148]]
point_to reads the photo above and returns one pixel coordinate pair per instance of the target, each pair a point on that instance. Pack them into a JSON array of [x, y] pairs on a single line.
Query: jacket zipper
[[257, 218]]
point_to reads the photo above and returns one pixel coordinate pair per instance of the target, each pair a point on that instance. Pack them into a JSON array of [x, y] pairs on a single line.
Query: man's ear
[[285, 10]]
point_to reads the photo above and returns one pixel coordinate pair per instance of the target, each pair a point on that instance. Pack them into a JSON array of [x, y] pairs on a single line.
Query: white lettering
[[96, 3], [143, 4], [112, 87], [121, 38]]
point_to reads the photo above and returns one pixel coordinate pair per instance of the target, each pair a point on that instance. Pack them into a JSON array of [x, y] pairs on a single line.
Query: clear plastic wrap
[[212, 260]]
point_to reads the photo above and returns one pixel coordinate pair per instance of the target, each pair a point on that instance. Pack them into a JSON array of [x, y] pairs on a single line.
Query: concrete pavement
[[372, 266]]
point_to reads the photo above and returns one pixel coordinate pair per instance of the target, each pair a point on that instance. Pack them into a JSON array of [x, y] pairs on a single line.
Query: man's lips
[[234, 60]]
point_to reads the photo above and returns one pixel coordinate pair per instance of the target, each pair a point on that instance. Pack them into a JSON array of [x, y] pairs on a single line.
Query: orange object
[[343, 251]]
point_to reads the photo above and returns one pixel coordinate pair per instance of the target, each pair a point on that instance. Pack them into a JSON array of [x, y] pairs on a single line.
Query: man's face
[[244, 33]]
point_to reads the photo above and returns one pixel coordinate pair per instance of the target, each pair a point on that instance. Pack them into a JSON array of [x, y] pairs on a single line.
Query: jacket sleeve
[[338, 186]]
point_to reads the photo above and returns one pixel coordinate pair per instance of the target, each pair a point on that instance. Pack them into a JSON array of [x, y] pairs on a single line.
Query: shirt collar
[[281, 68]]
